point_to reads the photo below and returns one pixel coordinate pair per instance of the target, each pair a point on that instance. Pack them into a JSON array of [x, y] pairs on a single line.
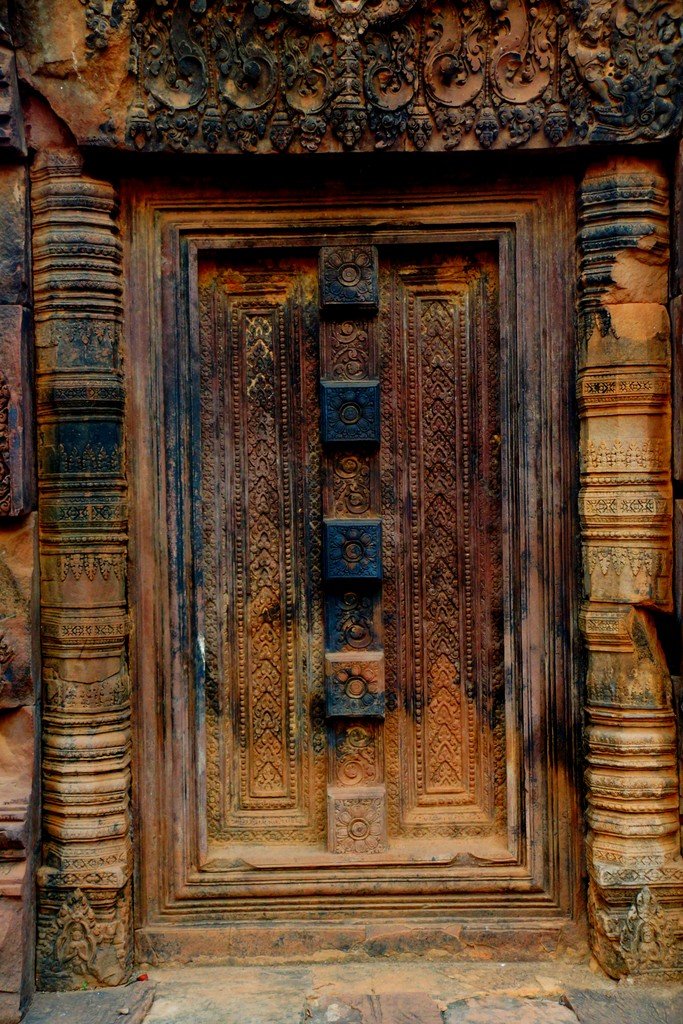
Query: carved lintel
[[84, 883], [294, 75]]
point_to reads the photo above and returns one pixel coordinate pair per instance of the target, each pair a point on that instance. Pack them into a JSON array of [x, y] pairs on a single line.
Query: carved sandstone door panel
[[438, 748], [257, 465], [445, 730], [353, 559]]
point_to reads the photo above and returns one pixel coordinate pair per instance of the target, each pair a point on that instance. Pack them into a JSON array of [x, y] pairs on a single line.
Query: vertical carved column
[[352, 531], [84, 883], [635, 868]]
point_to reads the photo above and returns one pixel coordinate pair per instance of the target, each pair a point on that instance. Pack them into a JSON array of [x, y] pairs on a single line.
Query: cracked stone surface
[[406, 992], [401, 992]]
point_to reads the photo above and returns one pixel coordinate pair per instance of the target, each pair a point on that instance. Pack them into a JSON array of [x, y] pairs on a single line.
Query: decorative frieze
[[625, 506], [410, 74], [84, 882]]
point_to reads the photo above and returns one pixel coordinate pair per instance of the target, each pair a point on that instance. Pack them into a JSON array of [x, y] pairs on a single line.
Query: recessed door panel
[[355, 607], [403, 693]]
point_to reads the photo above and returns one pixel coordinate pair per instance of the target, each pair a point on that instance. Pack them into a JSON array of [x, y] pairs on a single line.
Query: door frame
[[166, 225]]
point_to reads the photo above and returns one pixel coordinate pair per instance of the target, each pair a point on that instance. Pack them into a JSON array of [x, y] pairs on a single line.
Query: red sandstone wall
[[19, 708]]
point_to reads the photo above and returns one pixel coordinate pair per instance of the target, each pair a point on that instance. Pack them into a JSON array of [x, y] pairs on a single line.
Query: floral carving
[[348, 276], [5, 478], [350, 412], [245, 74], [353, 549], [354, 688], [358, 823], [356, 757]]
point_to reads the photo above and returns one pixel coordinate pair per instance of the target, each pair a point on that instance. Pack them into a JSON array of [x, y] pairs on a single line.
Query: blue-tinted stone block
[[352, 549], [348, 277], [350, 412], [354, 686]]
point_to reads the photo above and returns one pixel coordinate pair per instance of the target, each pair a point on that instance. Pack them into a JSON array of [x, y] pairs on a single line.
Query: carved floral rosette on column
[[84, 883], [634, 860]]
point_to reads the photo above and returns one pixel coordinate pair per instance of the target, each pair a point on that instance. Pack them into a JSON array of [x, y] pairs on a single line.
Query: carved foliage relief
[[308, 74], [442, 344], [256, 454]]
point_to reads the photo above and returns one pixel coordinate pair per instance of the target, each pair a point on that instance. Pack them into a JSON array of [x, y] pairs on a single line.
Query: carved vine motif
[[5, 477], [441, 738], [356, 756], [269, 591], [249, 74], [349, 350]]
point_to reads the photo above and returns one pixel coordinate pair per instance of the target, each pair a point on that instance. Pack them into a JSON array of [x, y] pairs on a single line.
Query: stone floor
[[405, 992]]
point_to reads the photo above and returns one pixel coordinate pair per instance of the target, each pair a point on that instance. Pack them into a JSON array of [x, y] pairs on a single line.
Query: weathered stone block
[[624, 233], [13, 231], [508, 1010], [663, 1005], [626, 334], [356, 1008], [357, 820], [17, 473], [17, 775], [355, 686], [11, 122], [12, 879], [17, 636], [129, 1004]]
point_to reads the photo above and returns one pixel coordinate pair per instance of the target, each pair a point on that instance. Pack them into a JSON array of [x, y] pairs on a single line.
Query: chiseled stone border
[[635, 867]]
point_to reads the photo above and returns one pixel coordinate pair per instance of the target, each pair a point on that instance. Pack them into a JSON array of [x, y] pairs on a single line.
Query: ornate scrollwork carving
[[360, 74]]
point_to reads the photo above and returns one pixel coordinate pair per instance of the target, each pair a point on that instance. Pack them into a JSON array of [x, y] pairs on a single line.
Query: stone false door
[[348, 509]]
